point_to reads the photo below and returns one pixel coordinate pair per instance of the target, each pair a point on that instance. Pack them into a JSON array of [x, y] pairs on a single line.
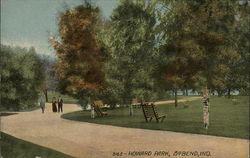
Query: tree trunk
[[186, 92], [229, 93], [183, 92], [131, 110], [175, 98], [46, 95], [206, 104], [219, 93]]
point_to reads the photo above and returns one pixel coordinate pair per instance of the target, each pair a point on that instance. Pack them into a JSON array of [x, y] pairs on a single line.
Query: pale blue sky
[[27, 23]]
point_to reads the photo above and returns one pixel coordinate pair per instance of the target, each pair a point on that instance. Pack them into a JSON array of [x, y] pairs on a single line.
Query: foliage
[[22, 77], [198, 41], [51, 78], [152, 46], [80, 57], [242, 34], [130, 41]]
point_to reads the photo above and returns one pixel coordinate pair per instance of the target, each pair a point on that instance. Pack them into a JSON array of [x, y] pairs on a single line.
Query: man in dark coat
[[60, 104]]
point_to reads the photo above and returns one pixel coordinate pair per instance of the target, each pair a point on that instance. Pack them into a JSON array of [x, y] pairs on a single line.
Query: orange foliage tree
[[80, 56]]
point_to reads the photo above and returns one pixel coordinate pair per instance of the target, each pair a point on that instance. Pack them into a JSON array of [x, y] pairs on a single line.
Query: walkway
[[85, 140]]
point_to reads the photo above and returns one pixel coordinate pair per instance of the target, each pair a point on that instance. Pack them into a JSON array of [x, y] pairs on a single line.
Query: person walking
[[60, 104], [42, 103], [54, 109]]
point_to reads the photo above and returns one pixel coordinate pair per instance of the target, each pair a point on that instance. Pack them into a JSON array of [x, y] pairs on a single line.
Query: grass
[[12, 147], [66, 99], [227, 117]]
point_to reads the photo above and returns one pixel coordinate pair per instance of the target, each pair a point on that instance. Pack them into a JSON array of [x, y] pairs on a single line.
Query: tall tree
[[179, 51], [198, 38], [130, 39], [242, 34], [80, 57], [51, 81]]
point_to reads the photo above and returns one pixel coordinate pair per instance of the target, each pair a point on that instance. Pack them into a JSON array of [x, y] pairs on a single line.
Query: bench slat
[[98, 111], [150, 112]]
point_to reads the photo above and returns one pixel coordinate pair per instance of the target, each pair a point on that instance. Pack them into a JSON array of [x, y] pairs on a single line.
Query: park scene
[[124, 78]]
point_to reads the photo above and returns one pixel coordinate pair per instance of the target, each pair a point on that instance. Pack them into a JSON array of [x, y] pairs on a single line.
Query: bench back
[[134, 101], [149, 110], [98, 110], [99, 103]]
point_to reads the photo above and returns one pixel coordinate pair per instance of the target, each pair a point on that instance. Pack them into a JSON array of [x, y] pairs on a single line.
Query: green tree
[[242, 34], [178, 49], [198, 37], [130, 41], [22, 77], [51, 81]]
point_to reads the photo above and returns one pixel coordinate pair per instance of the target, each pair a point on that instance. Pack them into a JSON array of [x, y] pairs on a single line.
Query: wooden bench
[[99, 103], [97, 107], [149, 111], [235, 101], [135, 103]]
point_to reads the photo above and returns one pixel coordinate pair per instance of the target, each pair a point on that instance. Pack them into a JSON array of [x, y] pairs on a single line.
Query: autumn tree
[[80, 57]]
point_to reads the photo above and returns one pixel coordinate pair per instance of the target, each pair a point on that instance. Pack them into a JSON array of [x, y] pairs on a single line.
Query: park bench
[[235, 101], [149, 111], [97, 107], [99, 103], [135, 103], [185, 104]]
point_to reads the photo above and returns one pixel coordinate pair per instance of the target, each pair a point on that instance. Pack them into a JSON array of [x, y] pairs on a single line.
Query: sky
[[27, 23]]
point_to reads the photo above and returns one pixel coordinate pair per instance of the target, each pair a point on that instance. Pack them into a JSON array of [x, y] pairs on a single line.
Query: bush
[[22, 77]]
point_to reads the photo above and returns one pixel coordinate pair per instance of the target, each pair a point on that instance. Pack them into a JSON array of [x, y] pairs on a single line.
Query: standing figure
[[60, 104], [42, 103], [92, 112], [54, 109]]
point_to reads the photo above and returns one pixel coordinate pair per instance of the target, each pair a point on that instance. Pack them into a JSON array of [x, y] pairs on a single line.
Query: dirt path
[[179, 100], [85, 140]]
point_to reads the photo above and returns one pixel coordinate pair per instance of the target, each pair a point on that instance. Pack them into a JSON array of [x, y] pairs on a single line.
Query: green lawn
[[66, 98], [227, 118], [12, 147]]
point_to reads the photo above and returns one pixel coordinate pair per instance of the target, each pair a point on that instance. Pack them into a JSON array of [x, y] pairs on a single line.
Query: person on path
[[42, 103], [54, 109], [60, 104]]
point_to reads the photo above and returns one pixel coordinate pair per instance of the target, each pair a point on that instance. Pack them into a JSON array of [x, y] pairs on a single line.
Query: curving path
[[86, 140]]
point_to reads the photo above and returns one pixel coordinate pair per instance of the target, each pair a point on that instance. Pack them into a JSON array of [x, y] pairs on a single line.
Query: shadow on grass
[[12, 147], [2, 114]]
